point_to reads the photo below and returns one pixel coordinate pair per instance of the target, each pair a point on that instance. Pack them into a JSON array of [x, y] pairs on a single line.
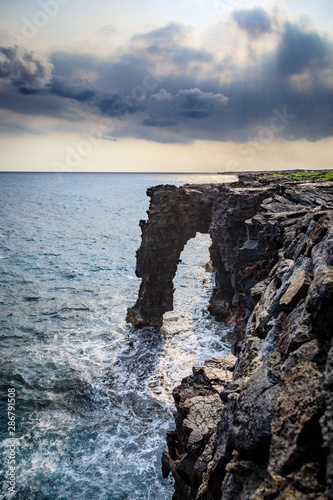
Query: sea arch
[[175, 215]]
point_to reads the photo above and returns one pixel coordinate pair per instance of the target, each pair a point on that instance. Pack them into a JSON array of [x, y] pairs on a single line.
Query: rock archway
[[175, 215]]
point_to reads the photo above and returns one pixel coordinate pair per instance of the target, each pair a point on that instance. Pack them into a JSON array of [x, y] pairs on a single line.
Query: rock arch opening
[[192, 281]]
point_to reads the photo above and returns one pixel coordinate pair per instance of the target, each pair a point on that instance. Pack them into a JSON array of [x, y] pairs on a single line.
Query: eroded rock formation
[[259, 425], [175, 215]]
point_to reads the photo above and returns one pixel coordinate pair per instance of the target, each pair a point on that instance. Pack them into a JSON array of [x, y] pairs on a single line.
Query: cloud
[[254, 21], [149, 122], [181, 56], [196, 100], [161, 96], [182, 104], [165, 36], [72, 65], [80, 90], [35, 105], [24, 69], [108, 30], [300, 51], [169, 45], [117, 105], [185, 55], [7, 128], [190, 103]]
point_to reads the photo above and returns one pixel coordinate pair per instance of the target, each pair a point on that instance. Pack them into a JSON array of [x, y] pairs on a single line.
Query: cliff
[[257, 424]]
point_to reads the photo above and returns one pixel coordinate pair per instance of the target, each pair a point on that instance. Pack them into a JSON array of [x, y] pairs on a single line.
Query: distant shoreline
[[169, 173]]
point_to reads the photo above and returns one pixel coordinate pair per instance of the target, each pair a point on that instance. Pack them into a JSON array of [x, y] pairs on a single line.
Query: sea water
[[93, 395]]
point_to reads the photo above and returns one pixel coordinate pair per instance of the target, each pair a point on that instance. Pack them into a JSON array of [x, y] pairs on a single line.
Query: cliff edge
[[257, 424]]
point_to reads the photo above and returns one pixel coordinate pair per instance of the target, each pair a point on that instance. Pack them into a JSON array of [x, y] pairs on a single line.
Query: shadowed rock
[[258, 426], [175, 216]]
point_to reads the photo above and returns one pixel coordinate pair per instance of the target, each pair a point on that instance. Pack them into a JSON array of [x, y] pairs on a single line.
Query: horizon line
[[165, 173], [108, 172]]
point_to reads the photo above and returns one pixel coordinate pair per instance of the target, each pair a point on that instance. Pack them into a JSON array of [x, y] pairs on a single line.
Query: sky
[[166, 86]]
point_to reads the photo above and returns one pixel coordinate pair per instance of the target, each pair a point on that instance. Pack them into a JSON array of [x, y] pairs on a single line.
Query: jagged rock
[[295, 427], [201, 418], [248, 359], [253, 417], [280, 489], [310, 351], [261, 311], [199, 407], [221, 451], [318, 233], [327, 421], [297, 330], [242, 479], [319, 301], [297, 289], [281, 268], [259, 426], [216, 372], [307, 480]]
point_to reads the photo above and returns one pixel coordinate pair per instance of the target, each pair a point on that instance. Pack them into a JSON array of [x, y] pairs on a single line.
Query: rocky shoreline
[[257, 424]]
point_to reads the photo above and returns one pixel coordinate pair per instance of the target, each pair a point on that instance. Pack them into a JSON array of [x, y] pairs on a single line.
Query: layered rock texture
[[175, 216], [257, 424]]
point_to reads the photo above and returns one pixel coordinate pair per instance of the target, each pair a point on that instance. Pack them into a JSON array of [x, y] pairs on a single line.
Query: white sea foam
[[93, 393]]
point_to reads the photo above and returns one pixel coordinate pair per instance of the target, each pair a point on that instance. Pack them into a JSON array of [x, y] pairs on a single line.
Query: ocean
[[93, 396]]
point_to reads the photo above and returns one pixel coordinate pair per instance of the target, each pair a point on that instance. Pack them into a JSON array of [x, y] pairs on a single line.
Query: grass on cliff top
[[321, 175]]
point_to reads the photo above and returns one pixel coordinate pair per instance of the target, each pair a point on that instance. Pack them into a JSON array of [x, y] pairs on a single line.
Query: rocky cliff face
[[259, 425]]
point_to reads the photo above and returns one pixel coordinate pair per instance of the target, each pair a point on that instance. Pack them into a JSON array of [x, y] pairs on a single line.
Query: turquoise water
[[93, 395]]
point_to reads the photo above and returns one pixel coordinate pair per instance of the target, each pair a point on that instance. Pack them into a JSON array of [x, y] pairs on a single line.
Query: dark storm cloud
[[35, 105], [119, 73], [254, 21], [26, 69], [197, 100], [150, 122], [117, 105], [300, 51], [189, 103], [77, 89], [193, 100]]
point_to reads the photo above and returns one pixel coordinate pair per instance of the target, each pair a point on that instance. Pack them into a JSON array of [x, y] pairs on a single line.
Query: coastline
[[268, 431]]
